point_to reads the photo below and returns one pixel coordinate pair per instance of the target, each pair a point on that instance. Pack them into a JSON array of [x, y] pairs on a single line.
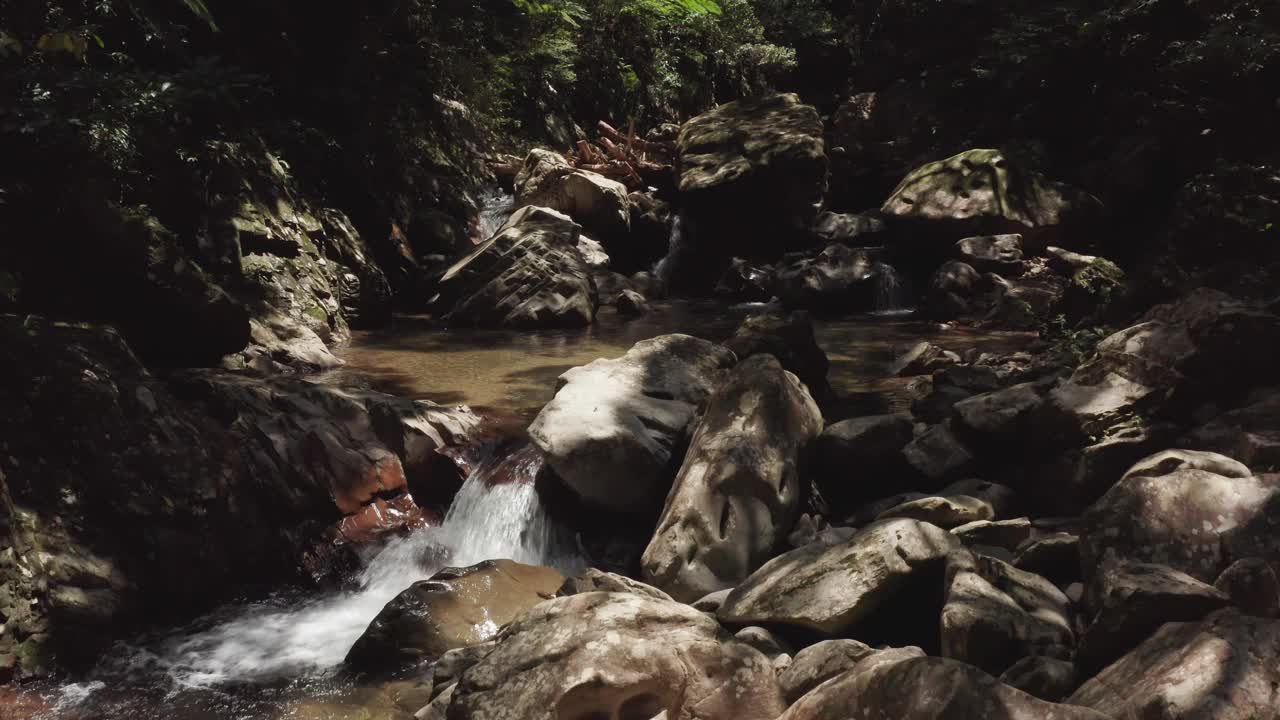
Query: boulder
[[764, 153], [938, 456], [1253, 587], [992, 253], [1002, 421], [593, 255], [790, 339], [528, 275], [882, 581], [613, 425], [819, 663], [595, 202], [593, 580], [946, 512], [1195, 520], [835, 279], [1132, 601], [617, 655], [986, 191], [456, 607], [926, 688], [1225, 667], [1055, 555], [739, 490], [848, 228], [861, 459], [922, 358], [1043, 677], [1075, 479], [744, 281], [995, 614], [1250, 434], [1007, 534], [631, 303]]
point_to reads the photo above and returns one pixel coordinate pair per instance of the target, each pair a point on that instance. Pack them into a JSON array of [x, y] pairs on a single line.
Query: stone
[[593, 255], [1074, 480], [711, 602], [835, 279], [766, 642], [995, 614], [938, 456], [1225, 667], [1055, 556], [617, 655], [921, 359], [1001, 421], [1132, 601], [856, 229], [819, 663], [1007, 534], [610, 431], [926, 688], [1067, 262], [600, 205], [738, 492], [876, 582], [631, 304], [1190, 519], [438, 708], [946, 512], [1167, 462], [1046, 678], [455, 608], [992, 253], [984, 190], [1253, 587], [861, 459], [1250, 434], [789, 338], [448, 668], [593, 580]]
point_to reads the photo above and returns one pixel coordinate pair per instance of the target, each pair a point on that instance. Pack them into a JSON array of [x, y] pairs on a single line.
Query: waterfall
[[891, 293], [496, 514], [675, 248], [496, 207]]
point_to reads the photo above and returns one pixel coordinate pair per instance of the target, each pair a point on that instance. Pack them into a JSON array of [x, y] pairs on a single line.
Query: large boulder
[[985, 191], [996, 614], [613, 425], [740, 487], [789, 338], [1225, 667], [861, 459], [456, 607], [836, 279], [1196, 512], [819, 663], [883, 583], [617, 655], [530, 274], [925, 688], [992, 253], [600, 205]]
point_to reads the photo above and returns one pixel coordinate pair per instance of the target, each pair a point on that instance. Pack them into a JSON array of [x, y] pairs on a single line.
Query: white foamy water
[[892, 296], [270, 641], [496, 207]]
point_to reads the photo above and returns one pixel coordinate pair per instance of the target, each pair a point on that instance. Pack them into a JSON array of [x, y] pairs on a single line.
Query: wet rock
[[877, 582], [861, 459], [1046, 678], [528, 275], [593, 580], [937, 455], [995, 614], [922, 358], [593, 255], [938, 405], [448, 668], [438, 708], [457, 607], [1191, 519], [738, 492], [1225, 667], [607, 655], [790, 339], [988, 192], [631, 303], [926, 688], [1253, 587], [819, 663], [835, 279], [743, 281], [610, 431], [992, 253], [599, 204], [1133, 600]]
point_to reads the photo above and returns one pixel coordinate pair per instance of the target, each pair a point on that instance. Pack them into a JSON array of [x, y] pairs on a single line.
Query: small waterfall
[[496, 514], [496, 207], [676, 246], [891, 293]]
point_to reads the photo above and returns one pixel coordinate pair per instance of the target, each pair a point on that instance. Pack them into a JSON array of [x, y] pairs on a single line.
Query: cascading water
[[891, 294], [662, 271], [496, 514], [496, 207]]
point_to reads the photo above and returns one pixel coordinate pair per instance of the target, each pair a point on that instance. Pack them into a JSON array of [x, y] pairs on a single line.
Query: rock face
[[1226, 667], [528, 275], [985, 191], [880, 577], [996, 614], [456, 608], [739, 490], [861, 459], [1194, 520], [600, 205], [926, 689], [610, 431], [611, 655]]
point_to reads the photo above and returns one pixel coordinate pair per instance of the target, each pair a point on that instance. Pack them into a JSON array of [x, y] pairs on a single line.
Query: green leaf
[[201, 11]]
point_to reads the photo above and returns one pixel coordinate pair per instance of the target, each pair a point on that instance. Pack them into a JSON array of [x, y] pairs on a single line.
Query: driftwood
[[631, 160]]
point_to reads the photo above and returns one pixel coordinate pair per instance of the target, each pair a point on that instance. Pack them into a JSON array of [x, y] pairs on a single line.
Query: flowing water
[[495, 207], [266, 659]]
